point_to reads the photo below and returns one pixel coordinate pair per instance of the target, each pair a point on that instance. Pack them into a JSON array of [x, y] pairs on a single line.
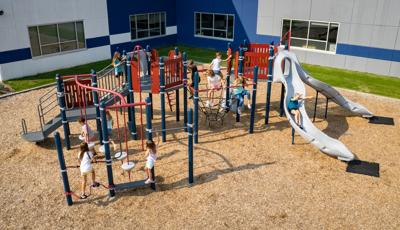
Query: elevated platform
[[131, 185]]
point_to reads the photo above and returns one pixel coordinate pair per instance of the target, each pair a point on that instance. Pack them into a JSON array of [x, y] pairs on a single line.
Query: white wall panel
[[355, 63], [377, 66], [364, 11], [360, 34], [383, 37], [387, 13], [395, 69], [53, 62]]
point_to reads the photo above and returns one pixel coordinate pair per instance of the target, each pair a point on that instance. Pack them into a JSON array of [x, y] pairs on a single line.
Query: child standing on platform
[[85, 160], [215, 65], [151, 157], [117, 64]]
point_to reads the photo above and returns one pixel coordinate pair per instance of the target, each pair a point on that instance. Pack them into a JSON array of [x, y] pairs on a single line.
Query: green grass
[[49, 77], [364, 82]]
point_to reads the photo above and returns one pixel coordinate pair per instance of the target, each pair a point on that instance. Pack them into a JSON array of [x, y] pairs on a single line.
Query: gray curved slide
[[294, 84], [328, 91]]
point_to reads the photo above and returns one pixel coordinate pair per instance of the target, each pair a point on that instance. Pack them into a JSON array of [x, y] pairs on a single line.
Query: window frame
[[58, 37], [213, 29], [314, 40], [148, 25]]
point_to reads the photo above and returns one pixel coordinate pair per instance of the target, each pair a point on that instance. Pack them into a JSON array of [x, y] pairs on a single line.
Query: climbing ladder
[[171, 99]]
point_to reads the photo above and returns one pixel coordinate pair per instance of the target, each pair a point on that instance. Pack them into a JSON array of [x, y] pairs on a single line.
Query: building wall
[[15, 55], [368, 38], [119, 24]]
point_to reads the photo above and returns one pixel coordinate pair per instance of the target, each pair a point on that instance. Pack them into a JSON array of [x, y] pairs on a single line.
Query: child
[[192, 68], [214, 82], [110, 122], [229, 60], [150, 159], [116, 63], [239, 92], [85, 159], [216, 64], [87, 135], [293, 107]]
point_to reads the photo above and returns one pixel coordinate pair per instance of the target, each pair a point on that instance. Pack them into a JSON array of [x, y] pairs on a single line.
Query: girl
[[192, 68], [214, 83], [116, 63], [216, 64], [229, 60], [87, 135], [293, 107], [110, 122], [151, 157], [240, 92], [85, 159]]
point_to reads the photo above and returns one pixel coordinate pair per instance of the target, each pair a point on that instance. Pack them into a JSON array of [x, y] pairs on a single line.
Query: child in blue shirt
[[293, 107], [239, 92]]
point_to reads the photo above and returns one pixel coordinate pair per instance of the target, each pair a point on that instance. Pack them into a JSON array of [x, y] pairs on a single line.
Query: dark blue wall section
[[97, 42], [368, 52], [119, 12], [154, 43], [15, 55], [245, 12]]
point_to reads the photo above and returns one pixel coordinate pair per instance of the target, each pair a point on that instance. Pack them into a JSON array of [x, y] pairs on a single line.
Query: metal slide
[[293, 84], [328, 91]]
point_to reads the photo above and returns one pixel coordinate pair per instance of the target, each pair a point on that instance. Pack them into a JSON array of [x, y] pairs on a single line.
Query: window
[[56, 38], [214, 25], [312, 34], [147, 25]]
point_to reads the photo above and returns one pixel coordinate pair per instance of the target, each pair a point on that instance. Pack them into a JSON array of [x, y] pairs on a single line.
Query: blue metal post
[[125, 67], [148, 119], [269, 84], [196, 108], [177, 91], [245, 45], [253, 99], [61, 103], [148, 52], [131, 110], [107, 154], [185, 107], [96, 104], [240, 73], [281, 111], [162, 95], [228, 76], [149, 134], [190, 145], [63, 168], [292, 136]]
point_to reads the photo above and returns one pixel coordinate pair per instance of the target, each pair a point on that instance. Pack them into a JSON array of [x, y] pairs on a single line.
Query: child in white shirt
[[151, 157], [216, 64], [214, 83], [85, 159]]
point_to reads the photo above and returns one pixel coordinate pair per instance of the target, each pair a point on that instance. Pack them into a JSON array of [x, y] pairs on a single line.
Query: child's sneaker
[[249, 106], [149, 181], [239, 111], [207, 103]]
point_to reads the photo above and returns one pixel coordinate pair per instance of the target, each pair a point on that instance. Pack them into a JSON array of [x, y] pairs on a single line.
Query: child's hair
[[81, 120], [151, 145], [218, 54], [239, 80], [108, 113], [116, 56], [210, 73], [83, 148], [190, 62]]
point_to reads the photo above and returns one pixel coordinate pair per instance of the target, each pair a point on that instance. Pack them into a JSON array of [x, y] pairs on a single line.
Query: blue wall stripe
[[368, 52], [97, 42], [15, 55]]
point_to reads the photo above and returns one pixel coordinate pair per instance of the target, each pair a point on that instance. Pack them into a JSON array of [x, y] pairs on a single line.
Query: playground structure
[[90, 95]]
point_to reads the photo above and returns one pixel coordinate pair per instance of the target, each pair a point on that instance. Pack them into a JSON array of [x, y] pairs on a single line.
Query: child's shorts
[[149, 164], [86, 173], [217, 72]]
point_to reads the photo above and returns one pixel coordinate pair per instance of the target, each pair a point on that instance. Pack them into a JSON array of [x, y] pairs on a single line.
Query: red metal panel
[[72, 94]]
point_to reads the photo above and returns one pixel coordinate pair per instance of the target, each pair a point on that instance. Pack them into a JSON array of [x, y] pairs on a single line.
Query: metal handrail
[[24, 128]]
